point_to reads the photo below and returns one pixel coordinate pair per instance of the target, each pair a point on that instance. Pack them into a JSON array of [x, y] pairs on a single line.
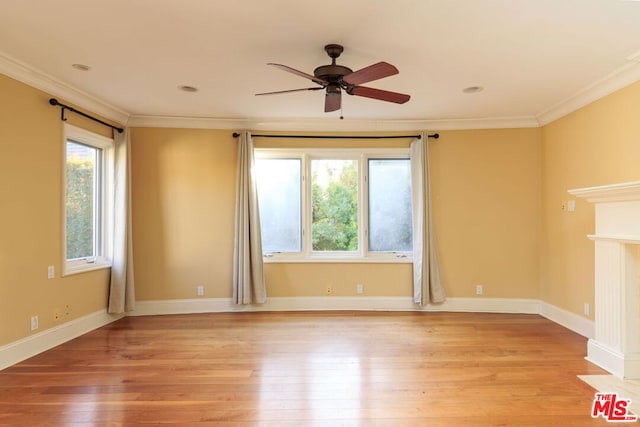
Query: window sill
[[70, 269]]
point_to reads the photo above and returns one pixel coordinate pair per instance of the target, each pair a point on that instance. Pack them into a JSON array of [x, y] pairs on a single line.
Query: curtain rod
[[434, 136], [63, 107]]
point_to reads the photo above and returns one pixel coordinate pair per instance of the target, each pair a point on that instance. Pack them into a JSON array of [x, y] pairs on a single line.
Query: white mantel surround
[[616, 346]]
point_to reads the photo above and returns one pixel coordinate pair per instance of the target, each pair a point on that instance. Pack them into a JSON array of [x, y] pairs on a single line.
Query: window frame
[[362, 156], [104, 199]]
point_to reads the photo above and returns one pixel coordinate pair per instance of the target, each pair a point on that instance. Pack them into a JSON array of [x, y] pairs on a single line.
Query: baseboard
[[488, 305], [27, 347], [182, 306], [625, 366], [17, 351], [578, 324], [606, 358]]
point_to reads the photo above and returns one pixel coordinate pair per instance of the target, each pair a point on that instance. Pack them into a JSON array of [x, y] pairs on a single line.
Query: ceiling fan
[[336, 78]]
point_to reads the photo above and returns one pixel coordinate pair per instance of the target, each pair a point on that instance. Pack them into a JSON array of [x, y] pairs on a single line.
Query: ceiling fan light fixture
[[333, 89]]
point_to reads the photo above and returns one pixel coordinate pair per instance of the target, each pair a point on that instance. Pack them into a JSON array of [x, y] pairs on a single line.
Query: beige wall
[[31, 218], [486, 187], [596, 145], [497, 204], [183, 189], [486, 200]]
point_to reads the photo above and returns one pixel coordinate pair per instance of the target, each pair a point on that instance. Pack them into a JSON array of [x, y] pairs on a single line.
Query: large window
[[335, 204], [88, 172]]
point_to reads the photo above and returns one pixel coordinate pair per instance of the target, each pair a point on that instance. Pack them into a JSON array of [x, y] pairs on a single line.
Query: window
[[390, 227], [88, 176], [335, 205], [279, 200]]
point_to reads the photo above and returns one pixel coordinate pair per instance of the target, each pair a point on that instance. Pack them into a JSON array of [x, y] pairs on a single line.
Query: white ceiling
[[533, 57]]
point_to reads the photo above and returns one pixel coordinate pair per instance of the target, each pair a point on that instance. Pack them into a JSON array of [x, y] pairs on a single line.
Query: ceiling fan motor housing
[[332, 73]]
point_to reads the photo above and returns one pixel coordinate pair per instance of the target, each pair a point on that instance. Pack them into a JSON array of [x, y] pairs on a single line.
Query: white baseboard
[[17, 351], [487, 305], [625, 366], [578, 324], [27, 347]]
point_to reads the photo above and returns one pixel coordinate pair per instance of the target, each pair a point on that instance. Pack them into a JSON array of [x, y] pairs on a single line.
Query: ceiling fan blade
[[332, 102], [299, 73], [382, 95], [370, 73], [289, 91]]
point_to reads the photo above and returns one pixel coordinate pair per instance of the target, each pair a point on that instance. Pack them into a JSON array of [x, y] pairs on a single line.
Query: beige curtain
[[248, 276], [121, 290], [427, 286]]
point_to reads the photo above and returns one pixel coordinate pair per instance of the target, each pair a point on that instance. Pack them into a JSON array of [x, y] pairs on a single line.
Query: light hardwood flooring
[[307, 369]]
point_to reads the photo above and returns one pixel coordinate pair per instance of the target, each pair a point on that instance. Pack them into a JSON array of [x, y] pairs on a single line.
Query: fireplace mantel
[[616, 345], [622, 192]]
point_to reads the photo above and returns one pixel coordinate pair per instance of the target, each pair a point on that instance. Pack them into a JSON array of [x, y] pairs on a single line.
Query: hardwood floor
[[301, 369]]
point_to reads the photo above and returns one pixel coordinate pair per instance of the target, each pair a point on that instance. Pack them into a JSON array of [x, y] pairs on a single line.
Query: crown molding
[[35, 78], [330, 125], [618, 79], [18, 70]]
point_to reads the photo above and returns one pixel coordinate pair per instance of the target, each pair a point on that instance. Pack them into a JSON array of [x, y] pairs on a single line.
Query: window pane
[[390, 205], [279, 200], [82, 168], [334, 205]]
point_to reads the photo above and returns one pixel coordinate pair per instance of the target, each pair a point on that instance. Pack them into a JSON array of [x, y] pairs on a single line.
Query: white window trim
[[103, 261], [362, 255]]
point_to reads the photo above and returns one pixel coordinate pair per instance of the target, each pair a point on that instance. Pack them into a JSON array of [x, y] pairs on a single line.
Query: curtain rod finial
[[53, 101], [236, 134], [435, 136]]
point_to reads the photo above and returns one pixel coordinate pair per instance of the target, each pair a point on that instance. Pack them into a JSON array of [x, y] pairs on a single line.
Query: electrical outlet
[[51, 272], [200, 291], [329, 289], [359, 288], [479, 289], [587, 309], [56, 314], [34, 323]]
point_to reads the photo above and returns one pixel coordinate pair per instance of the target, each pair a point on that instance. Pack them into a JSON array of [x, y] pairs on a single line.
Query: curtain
[[121, 289], [248, 275], [427, 286]]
